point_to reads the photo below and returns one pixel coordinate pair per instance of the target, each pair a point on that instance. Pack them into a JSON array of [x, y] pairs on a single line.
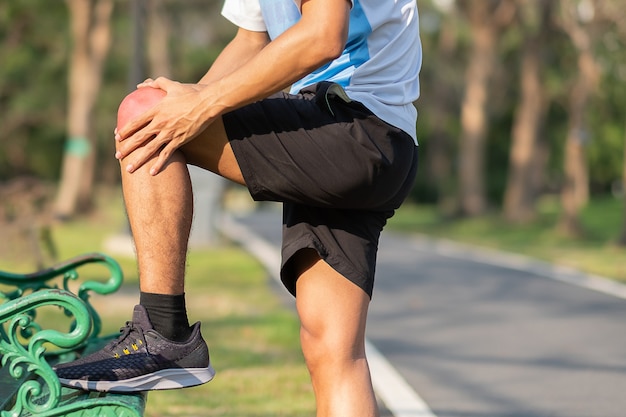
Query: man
[[339, 151]]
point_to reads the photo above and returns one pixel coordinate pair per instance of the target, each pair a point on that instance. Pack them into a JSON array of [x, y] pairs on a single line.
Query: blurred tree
[[91, 37], [487, 18], [137, 62], [575, 188], [441, 102], [159, 35], [614, 12], [526, 159], [34, 49], [32, 88]]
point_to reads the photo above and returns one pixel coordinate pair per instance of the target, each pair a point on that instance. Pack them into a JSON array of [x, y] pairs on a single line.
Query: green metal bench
[[28, 350]]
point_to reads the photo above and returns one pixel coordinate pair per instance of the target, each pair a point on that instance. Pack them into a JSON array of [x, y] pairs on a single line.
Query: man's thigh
[[330, 306], [316, 149], [211, 150]]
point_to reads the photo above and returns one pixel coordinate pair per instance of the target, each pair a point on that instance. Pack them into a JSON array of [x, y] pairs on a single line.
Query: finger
[[145, 83], [128, 147], [138, 159], [143, 154], [161, 161], [136, 140], [163, 83]]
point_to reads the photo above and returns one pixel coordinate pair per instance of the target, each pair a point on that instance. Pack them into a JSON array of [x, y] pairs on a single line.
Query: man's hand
[[162, 128]]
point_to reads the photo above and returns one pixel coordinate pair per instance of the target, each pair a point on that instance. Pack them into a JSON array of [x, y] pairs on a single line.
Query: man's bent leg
[[333, 313], [160, 213], [160, 207], [147, 356]]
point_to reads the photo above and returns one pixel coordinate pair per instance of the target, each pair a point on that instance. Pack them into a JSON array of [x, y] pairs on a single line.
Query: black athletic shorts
[[339, 171]]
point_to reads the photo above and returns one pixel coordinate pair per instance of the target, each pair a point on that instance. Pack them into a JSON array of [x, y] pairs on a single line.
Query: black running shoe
[[140, 359]]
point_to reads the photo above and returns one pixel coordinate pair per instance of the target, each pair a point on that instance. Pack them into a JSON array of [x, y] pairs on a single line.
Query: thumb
[[161, 82]]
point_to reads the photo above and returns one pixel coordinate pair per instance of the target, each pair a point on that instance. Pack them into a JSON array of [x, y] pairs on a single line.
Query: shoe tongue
[[141, 318]]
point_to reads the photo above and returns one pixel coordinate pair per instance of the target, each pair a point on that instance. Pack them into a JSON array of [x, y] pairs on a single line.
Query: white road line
[[399, 398], [392, 388], [520, 263]]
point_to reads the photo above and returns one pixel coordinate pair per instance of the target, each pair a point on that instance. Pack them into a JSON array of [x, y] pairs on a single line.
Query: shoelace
[[125, 333]]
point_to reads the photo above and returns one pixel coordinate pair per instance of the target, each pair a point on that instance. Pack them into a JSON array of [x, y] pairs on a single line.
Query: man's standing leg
[[333, 313]]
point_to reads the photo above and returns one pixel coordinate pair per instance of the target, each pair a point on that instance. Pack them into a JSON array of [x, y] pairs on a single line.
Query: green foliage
[[35, 45], [605, 115], [34, 54], [32, 87]]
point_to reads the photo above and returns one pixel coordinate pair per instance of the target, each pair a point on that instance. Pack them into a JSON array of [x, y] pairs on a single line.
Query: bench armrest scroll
[[68, 270], [41, 394]]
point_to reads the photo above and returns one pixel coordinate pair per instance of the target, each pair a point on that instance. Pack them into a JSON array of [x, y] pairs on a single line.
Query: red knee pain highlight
[[136, 103]]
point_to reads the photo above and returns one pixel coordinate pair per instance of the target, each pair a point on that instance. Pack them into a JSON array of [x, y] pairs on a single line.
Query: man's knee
[[136, 103], [317, 350], [330, 345], [327, 358]]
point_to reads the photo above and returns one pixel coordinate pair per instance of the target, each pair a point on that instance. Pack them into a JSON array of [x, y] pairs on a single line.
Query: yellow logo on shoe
[[126, 350]]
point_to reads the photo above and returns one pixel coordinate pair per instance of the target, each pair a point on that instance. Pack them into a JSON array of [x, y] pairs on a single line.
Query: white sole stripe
[[161, 380]]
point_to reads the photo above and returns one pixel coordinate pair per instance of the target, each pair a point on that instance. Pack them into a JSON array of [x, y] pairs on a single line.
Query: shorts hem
[[339, 264]]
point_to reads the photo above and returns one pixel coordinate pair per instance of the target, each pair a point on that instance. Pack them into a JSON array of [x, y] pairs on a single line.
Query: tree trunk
[[91, 33], [526, 153], [440, 146], [486, 20], [159, 31], [575, 189], [474, 122]]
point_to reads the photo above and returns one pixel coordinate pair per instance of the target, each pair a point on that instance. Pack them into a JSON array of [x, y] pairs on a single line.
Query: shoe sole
[[160, 380]]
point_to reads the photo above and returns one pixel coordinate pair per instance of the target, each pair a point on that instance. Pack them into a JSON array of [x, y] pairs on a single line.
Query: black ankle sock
[[168, 315]]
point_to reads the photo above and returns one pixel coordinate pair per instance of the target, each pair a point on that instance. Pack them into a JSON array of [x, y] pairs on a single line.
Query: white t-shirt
[[380, 64]]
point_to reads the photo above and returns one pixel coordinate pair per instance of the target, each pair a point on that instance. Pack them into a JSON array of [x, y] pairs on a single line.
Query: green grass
[[253, 340], [252, 337], [595, 253]]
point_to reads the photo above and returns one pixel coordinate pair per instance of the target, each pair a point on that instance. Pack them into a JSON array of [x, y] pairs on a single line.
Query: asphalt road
[[476, 337]]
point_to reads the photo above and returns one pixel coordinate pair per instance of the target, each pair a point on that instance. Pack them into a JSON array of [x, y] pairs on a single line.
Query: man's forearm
[[239, 51], [316, 39]]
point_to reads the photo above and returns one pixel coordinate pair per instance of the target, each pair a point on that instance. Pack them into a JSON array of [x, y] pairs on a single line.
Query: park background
[[521, 133], [522, 102], [521, 124]]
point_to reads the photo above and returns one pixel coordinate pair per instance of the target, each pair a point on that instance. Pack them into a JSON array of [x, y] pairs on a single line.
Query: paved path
[[482, 334]]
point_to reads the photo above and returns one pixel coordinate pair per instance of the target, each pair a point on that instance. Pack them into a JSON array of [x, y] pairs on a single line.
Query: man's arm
[[238, 52], [318, 38]]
